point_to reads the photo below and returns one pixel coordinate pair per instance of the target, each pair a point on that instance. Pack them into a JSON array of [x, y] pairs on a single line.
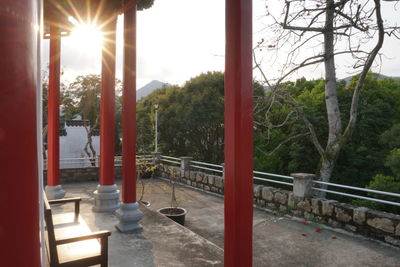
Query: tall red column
[[129, 109], [129, 214], [53, 188], [107, 106], [238, 134], [19, 202], [107, 194]]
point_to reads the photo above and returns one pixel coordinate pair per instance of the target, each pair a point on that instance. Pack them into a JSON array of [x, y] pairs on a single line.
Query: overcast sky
[[179, 39]]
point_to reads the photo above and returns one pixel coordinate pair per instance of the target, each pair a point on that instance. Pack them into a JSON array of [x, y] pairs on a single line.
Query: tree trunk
[[328, 162], [331, 99], [92, 153], [333, 147], [325, 173]]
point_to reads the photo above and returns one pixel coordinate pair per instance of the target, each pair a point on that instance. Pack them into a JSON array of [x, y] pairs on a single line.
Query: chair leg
[[104, 251]]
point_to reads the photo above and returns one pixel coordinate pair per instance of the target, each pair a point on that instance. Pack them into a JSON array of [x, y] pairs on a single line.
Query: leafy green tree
[[191, 118], [317, 33], [277, 151]]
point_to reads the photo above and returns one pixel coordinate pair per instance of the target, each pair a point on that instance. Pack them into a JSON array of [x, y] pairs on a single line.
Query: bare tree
[[328, 29], [89, 150]]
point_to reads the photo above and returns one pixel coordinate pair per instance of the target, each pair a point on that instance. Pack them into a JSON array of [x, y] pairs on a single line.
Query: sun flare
[[87, 37]]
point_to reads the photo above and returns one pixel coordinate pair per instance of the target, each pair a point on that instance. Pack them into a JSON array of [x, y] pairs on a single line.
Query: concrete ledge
[[177, 245], [161, 242]]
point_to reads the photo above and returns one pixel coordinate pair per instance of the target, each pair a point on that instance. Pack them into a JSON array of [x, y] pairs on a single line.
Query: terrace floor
[[278, 241]]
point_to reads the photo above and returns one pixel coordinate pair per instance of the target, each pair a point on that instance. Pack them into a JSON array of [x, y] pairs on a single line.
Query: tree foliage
[[327, 29], [82, 97], [190, 119]]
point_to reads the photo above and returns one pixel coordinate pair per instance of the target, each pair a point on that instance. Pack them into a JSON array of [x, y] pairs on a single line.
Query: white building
[[73, 139]]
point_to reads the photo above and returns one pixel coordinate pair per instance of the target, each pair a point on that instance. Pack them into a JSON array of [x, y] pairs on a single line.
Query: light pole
[[156, 126]]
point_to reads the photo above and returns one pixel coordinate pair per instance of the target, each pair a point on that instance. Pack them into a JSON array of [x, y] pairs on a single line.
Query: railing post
[[223, 170], [156, 158], [185, 163], [302, 184]]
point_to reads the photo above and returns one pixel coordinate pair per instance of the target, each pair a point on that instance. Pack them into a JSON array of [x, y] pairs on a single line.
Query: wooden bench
[[69, 241]]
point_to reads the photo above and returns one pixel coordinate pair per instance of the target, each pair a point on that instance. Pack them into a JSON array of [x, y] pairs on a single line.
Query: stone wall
[[371, 223], [72, 175]]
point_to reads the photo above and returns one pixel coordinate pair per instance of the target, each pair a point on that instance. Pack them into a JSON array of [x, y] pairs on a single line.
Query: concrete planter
[[176, 214]]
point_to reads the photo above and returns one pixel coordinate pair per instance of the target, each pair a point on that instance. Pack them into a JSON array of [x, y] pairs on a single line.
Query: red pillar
[[19, 202], [106, 197], [107, 105], [53, 113], [129, 109], [238, 134], [129, 214]]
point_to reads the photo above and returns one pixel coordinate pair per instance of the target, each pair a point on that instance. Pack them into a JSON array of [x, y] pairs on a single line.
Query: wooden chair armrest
[[65, 200], [77, 201], [100, 234]]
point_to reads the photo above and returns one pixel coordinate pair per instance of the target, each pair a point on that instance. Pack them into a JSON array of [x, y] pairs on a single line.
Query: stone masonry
[[371, 223]]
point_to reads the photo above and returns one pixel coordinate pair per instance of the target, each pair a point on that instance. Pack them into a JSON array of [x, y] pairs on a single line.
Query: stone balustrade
[[300, 203]]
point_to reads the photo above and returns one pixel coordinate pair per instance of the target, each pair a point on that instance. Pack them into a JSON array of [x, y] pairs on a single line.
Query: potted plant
[[144, 171], [174, 212]]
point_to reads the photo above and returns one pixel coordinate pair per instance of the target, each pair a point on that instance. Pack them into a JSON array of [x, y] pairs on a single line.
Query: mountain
[[149, 88], [380, 77]]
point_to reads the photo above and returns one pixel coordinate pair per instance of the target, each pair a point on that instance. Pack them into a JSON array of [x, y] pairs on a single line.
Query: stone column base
[[54, 192], [106, 198], [129, 216]]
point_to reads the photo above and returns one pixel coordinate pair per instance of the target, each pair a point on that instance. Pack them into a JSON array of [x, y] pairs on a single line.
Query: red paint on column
[[19, 203], [129, 109], [53, 113], [238, 134], [107, 105]]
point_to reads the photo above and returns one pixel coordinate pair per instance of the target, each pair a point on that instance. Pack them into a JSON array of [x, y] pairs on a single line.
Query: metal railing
[[274, 176], [288, 180], [171, 160], [66, 163], [357, 189], [215, 167], [258, 176], [70, 163]]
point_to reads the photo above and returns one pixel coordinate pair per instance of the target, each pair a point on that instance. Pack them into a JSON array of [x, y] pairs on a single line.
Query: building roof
[[57, 12]]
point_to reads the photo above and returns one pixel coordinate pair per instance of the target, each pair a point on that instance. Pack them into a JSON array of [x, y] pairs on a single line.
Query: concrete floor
[[277, 241]]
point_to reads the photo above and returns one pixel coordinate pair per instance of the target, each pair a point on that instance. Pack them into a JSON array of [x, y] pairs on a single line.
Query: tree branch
[[286, 141], [361, 80]]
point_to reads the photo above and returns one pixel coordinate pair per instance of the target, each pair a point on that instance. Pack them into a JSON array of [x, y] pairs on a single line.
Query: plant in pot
[[174, 212], [144, 170]]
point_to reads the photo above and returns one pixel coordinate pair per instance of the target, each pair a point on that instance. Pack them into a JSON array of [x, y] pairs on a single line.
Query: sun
[[88, 37], [85, 38]]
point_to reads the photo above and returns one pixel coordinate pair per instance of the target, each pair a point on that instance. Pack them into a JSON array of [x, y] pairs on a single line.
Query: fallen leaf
[[303, 234], [333, 237], [317, 230], [304, 222]]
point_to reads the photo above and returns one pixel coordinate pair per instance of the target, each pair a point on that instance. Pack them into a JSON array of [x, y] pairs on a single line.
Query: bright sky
[[179, 39]]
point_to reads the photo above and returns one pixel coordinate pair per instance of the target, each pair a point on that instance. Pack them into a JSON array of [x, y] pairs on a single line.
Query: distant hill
[[380, 77], [149, 88]]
